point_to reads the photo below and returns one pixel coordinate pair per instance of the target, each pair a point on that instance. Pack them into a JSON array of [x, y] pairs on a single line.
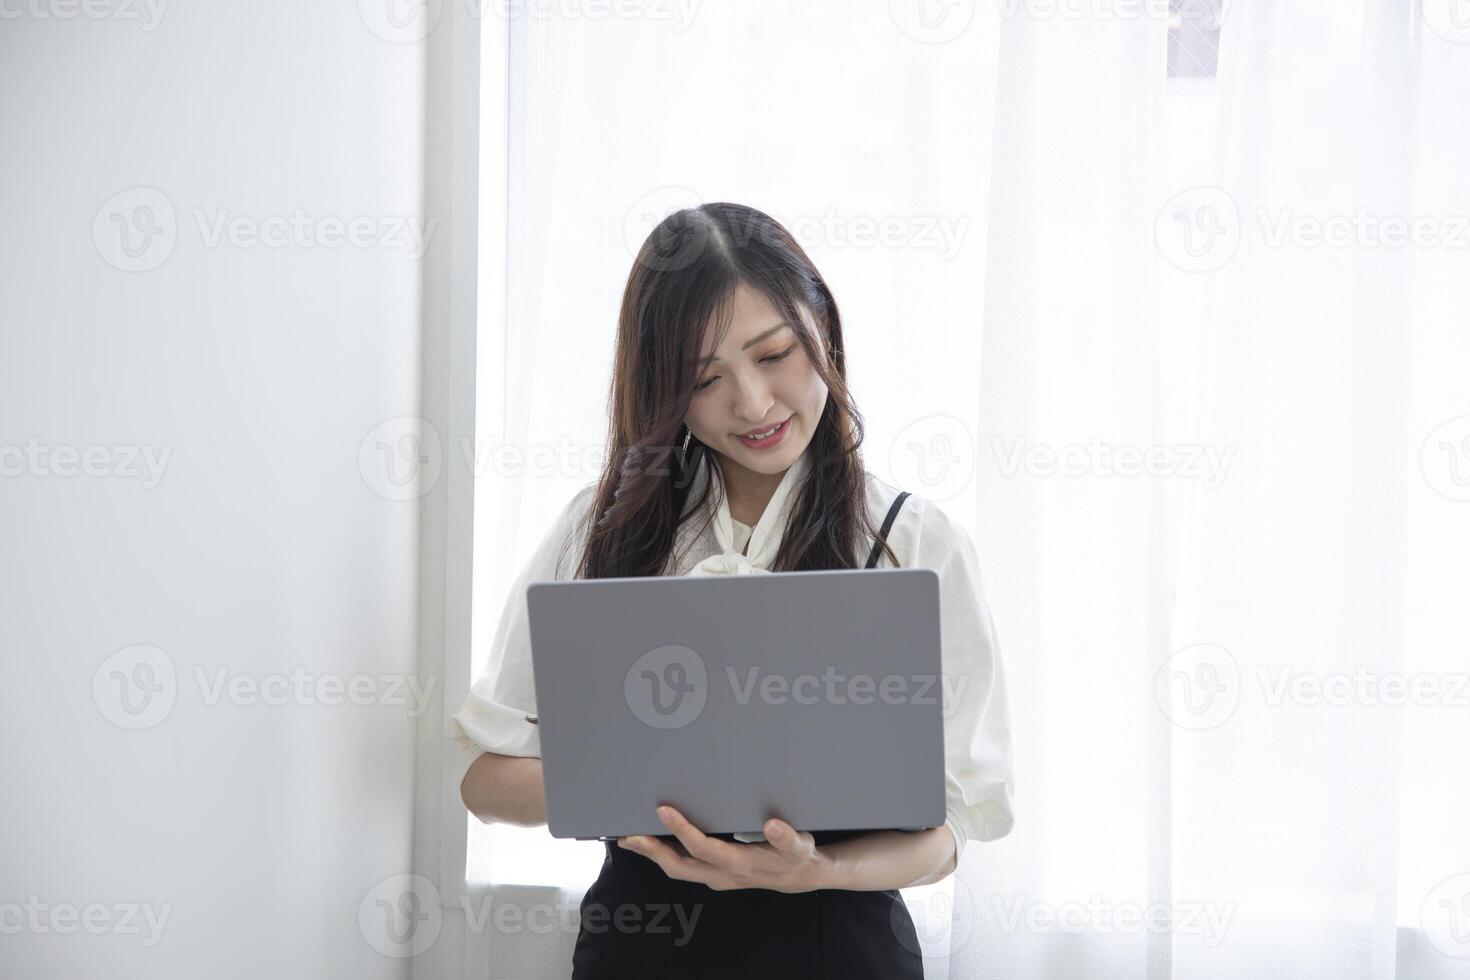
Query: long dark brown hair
[[681, 285]]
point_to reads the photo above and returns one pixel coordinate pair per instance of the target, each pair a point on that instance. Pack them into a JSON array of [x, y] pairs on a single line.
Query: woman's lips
[[770, 440]]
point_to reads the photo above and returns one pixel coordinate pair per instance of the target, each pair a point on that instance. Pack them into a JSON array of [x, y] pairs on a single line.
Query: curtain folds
[[1198, 347]]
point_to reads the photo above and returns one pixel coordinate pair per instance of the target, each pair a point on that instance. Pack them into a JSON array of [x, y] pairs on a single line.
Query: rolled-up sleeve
[[979, 773], [499, 715]]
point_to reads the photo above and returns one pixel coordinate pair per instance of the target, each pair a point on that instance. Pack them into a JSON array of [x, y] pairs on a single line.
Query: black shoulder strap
[[883, 534]]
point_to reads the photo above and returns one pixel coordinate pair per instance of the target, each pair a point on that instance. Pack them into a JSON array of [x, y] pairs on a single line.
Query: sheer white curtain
[[1242, 677], [1211, 463], [1331, 822]]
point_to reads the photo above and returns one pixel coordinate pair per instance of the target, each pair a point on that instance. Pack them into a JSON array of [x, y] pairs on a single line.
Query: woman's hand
[[789, 862]]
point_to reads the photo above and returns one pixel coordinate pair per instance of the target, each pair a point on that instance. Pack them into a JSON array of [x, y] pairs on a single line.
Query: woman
[[734, 450]]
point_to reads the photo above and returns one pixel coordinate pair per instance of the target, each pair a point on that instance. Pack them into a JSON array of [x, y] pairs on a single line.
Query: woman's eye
[[773, 358]]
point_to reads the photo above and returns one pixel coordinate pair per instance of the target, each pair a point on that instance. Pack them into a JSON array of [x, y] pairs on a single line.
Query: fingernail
[[775, 831]]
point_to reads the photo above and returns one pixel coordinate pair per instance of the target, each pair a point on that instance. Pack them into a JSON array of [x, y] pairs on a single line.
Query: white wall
[[257, 828]]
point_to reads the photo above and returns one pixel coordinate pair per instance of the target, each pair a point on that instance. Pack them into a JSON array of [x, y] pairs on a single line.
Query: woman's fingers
[[695, 856], [788, 840], [786, 862], [707, 849], [673, 863]]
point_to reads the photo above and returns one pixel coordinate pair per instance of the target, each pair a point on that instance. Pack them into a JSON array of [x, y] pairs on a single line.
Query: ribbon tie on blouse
[[765, 537]]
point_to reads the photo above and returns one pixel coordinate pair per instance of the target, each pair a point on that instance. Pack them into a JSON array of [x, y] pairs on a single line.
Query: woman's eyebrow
[[752, 341]]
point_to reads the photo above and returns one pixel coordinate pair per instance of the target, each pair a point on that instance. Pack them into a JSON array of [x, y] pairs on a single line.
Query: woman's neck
[[747, 491]]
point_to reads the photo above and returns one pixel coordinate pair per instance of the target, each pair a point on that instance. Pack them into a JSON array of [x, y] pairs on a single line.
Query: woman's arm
[[891, 859], [505, 788]]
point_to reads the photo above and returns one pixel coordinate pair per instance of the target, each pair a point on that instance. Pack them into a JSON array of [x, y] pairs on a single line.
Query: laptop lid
[[815, 697]]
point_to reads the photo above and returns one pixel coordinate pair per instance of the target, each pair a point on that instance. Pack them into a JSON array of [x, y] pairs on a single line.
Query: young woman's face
[[762, 379]]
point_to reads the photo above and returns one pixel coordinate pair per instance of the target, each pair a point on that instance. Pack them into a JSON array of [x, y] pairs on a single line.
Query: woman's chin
[[772, 459]]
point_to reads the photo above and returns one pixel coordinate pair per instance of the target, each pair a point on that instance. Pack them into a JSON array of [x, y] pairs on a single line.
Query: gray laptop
[[815, 697]]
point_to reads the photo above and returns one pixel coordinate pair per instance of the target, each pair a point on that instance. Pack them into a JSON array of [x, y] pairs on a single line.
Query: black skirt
[[637, 922]]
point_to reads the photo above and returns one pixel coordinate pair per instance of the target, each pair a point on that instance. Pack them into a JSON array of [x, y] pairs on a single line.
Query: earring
[[685, 473]]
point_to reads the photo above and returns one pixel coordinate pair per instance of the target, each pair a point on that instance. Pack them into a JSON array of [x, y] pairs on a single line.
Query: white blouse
[[979, 780]]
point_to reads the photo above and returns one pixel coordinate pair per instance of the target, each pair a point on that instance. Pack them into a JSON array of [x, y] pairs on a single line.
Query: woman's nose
[[753, 400]]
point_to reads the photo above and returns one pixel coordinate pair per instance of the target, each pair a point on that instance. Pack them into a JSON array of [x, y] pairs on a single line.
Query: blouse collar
[[765, 537]]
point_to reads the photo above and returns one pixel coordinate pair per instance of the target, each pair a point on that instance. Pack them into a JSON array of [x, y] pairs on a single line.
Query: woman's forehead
[[746, 319]]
